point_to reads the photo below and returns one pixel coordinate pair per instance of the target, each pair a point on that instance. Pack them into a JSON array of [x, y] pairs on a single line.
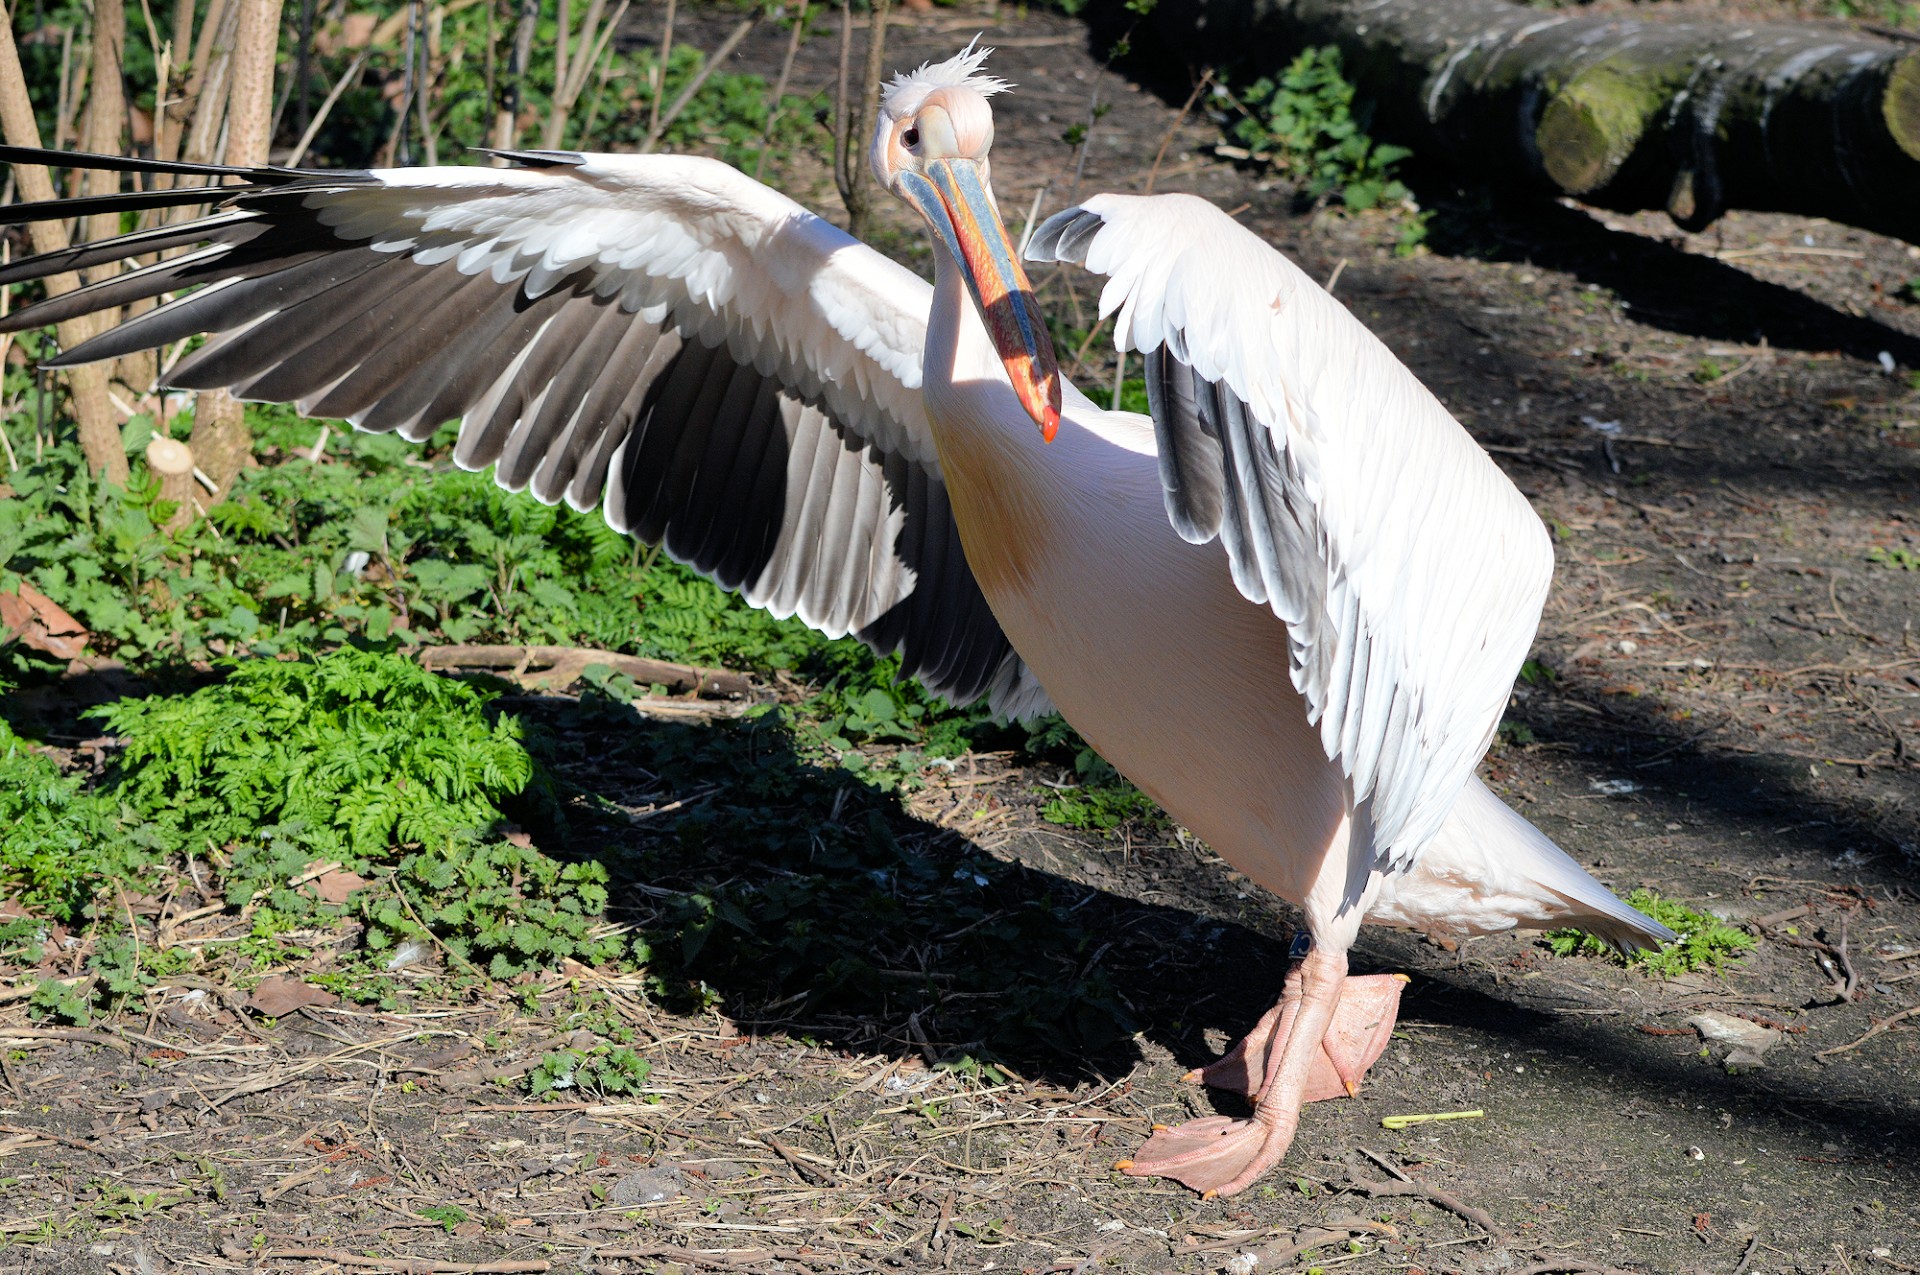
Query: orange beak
[[953, 197]]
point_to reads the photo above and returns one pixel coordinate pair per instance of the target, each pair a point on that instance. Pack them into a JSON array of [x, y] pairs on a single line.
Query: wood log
[[1691, 117]]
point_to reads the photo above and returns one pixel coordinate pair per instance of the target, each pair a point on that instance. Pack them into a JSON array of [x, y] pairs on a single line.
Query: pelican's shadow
[[808, 900]]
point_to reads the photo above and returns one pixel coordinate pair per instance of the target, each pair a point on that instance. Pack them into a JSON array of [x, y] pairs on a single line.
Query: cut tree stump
[[172, 463], [1691, 117]]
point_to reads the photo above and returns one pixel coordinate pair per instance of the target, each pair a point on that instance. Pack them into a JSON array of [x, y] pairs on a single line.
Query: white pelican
[[1290, 605]]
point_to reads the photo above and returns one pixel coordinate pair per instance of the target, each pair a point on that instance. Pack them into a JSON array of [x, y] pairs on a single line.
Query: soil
[[1723, 433]]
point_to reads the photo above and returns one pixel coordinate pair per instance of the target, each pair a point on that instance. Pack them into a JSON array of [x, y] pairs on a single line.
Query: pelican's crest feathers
[[907, 90]]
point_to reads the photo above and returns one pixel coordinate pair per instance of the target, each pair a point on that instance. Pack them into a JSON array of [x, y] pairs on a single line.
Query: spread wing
[[718, 369], [1409, 571]]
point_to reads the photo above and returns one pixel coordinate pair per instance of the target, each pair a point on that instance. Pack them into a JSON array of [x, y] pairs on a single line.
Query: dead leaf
[[356, 29], [337, 886], [33, 618], [278, 997]]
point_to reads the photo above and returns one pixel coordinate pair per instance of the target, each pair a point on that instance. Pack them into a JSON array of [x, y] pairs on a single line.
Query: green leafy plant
[[1894, 556], [498, 907], [1099, 798], [1705, 942], [1308, 124], [600, 1070], [364, 750], [447, 1215], [59, 844]]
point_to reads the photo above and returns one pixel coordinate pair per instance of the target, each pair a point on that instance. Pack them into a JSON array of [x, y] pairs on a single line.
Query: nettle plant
[[1308, 124]]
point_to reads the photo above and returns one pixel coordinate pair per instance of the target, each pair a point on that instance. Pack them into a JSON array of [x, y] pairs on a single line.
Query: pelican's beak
[[953, 197]]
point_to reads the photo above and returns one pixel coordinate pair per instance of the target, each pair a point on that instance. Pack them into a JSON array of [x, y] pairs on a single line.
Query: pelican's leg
[[1362, 1024], [1222, 1156]]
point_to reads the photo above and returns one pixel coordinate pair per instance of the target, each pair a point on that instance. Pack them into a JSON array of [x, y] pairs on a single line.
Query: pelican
[[1289, 603]]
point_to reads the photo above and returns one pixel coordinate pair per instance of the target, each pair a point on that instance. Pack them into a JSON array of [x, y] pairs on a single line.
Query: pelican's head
[[930, 147]]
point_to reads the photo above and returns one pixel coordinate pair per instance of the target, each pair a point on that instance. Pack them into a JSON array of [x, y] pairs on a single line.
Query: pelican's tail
[[1488, 870]]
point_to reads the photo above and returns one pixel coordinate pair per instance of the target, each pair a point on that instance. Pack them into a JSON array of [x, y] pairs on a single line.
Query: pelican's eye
[[911, 137]]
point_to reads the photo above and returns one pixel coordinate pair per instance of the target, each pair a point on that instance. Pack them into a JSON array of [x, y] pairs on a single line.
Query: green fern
[[366, 751], [58, 842]]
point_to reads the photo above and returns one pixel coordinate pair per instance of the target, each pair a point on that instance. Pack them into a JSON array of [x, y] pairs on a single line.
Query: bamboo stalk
[[660, 71], [93, 410], [780, 88], [707, 68], [326, 108], [221, 442], [603, 58], [506, 121], [853, 116]]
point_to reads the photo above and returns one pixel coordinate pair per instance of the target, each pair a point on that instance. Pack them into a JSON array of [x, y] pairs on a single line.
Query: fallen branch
[[745, 1259], [65, 1033], [807, 1173], [1432, 1195], [1879, 1025], [553, 667], [1335, 1232], [27, 1132], [404, 1265]]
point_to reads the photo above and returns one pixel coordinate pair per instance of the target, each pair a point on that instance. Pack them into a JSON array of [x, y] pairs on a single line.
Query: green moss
[[1593, 123]]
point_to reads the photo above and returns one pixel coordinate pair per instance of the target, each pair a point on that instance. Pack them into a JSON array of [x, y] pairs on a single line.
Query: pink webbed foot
[[1362, 1024], [1215, 1156], [1316, 1043]]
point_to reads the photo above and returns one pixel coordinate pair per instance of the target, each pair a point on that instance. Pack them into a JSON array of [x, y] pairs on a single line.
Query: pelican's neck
[[963, 379]]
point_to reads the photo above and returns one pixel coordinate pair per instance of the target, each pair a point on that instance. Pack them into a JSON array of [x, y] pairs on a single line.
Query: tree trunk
[[104, 135], [93, 409], [1686, 116], [221, 442]]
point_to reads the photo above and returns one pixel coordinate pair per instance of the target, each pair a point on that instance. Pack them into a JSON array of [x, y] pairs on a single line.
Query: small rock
[[1745, 1042], [1242, 1263], [647, 1186]]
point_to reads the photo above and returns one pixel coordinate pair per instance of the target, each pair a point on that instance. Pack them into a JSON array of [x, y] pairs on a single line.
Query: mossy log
[[1692, 117]]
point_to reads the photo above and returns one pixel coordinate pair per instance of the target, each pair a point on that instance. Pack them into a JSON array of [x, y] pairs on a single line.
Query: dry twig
[[1879, 1025], [404, 1265], [1432, 1195]]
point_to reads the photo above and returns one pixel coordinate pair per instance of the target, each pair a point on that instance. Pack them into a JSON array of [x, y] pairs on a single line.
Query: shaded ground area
[[1727, 697]]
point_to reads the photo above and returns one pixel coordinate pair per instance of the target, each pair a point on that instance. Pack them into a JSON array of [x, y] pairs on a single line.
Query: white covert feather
[[736, 262], [1414, 594]]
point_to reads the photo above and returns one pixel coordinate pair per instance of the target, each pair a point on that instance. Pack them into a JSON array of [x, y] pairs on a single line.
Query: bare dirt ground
[[1705, 423]]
